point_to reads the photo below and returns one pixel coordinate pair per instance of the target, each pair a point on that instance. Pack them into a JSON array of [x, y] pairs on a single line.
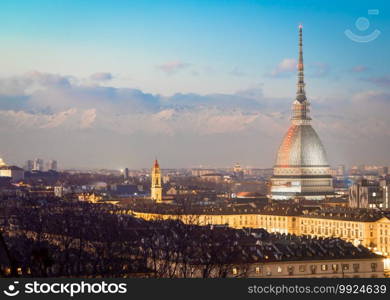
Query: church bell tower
[[156, 187]]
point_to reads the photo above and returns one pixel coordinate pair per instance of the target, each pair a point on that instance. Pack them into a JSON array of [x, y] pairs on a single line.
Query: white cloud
[[287, 65], [64, 105], [102, 76], [319, 69], [382, 81], [56, 120], [34, 121], [359, 69], [173, 67], [88, 118]]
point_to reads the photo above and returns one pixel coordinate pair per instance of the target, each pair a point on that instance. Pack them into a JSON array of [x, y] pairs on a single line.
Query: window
[[302, 268], [345, 267], [373, 267], [290, 270], [279, 269], [356, 268], [335, 268], [324, 267], [258, 270], [235, 271], [313, 269], [268, 271]]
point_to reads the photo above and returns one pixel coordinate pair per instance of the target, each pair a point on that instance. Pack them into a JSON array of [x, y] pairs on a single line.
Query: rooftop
[[279, 209], [252, 245], [348, 214], [217, 209]]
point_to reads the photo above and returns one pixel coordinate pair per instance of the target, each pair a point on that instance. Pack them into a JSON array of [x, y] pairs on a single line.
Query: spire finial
[[300, 105], [301, 95]]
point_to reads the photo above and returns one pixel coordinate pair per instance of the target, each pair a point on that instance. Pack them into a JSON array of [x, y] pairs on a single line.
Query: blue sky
[[216, 39], [201, 48]]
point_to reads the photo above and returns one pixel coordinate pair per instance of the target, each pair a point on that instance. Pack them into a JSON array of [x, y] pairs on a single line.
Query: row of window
[[311, 268], [348, 233], [335, 224], [384, 249]]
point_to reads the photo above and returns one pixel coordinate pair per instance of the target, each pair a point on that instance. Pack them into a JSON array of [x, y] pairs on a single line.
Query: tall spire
[[300, 105], [156, 165], [301, 95]]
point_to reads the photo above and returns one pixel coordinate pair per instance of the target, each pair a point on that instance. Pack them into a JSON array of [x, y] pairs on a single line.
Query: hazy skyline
[[193, 83]]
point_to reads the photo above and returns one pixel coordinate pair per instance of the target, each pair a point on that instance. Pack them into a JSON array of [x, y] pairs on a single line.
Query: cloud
[[31, 81], [48, 79], [288, 66], [48, 107], [88, 118], [238, 72], [319, 69], [58, 119], [359, 69], [34, 121], [101, 76], [371, 97], [173, 67], [285, 67], [383, 81]]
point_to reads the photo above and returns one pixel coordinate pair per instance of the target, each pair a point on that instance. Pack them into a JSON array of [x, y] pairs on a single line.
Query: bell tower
[[156, 187]]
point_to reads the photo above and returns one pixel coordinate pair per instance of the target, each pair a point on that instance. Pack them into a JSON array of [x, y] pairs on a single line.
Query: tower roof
[[300, 105], [301, 147], [156, 165]]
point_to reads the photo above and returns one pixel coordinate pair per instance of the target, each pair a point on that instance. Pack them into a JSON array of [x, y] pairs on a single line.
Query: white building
[[15, 173], [38, 164]]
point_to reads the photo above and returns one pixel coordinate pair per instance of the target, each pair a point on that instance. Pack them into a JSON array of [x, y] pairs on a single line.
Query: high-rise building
[[52, 165], [38, 164], [383, 171], [365, 194], [156, 188], [200, 171], [385, 188], [301, 168], [341, 170], [126, 173], [29, 165], [238, 172]]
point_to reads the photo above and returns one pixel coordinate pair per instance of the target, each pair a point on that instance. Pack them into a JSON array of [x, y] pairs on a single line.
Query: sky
[[113, 84]]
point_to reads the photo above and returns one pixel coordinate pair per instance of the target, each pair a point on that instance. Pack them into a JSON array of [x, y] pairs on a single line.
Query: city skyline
[[187, 95]]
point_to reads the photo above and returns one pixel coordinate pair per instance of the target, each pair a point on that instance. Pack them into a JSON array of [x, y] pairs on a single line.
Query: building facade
[[366, 194], [321, 268], [38, 165], [385, 188], [52, 165], [15, 173], [360, 227]]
